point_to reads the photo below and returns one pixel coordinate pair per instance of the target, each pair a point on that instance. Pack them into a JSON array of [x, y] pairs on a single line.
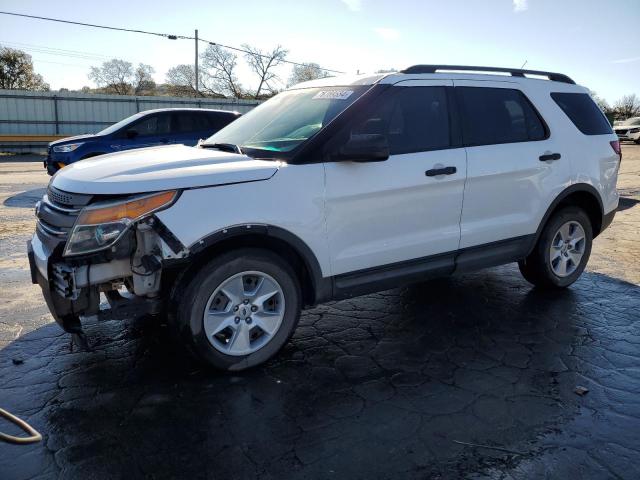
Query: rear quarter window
[[219, 121], [494, 116], [583, 112]]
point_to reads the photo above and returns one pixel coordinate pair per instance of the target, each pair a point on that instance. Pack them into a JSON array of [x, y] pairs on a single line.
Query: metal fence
[[25, 117]]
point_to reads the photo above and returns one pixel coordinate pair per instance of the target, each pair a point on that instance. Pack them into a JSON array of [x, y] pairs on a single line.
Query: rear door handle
[[549, 156], [441, 171]]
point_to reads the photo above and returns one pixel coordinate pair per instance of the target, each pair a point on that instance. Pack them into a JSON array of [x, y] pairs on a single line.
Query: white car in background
[[629, 129]]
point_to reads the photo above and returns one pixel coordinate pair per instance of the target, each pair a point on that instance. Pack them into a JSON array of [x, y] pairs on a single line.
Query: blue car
[[145, 129]]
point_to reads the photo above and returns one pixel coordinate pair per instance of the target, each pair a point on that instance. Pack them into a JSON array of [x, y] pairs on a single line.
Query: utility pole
[[197, 77]]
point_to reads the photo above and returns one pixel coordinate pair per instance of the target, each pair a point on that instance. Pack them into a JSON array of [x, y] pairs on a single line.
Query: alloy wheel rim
[[567, 249], [244, 313]]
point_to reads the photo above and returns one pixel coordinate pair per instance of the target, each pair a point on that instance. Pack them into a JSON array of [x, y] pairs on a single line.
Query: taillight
[[616, 148]]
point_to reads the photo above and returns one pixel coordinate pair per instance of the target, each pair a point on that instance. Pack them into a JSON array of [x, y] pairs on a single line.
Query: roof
[[180, 109], [514, 72], [444, 72]]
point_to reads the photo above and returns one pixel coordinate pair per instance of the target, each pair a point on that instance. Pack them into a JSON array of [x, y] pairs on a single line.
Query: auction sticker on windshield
[[333, 94]]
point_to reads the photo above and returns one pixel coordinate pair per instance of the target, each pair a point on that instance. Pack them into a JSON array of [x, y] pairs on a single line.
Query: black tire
[[52, 169], [193, 300], [536, 268]]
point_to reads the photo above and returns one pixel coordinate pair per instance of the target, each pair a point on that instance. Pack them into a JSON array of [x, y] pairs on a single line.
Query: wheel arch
[[580, 195], [287, 245]]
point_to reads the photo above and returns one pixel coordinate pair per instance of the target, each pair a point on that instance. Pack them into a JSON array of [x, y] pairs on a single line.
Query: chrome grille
[[66, 198], [58, 210]]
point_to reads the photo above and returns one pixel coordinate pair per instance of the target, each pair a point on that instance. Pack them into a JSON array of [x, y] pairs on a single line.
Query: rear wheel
[[562, 251], [240, 309]]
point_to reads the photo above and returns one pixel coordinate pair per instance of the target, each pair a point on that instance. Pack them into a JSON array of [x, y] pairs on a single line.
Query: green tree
[[16, 71]]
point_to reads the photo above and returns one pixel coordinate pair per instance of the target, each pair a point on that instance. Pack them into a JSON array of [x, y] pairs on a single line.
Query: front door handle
[[549, 156], [441, 171]]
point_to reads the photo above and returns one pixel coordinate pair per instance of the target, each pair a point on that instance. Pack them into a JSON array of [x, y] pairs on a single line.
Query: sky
[[597, 43]]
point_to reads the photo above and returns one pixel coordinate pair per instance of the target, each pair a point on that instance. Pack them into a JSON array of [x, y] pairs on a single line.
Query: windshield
[[631, 121], [117, 126], [282, 123]]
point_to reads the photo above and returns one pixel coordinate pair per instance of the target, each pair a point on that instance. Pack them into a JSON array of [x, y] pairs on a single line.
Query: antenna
[[525, 62]]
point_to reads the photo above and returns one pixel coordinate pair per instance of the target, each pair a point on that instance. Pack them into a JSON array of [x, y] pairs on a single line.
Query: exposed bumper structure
[[62, 309], [72, 288]]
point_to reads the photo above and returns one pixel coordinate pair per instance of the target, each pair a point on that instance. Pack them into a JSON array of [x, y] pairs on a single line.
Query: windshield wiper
[[225, 147]]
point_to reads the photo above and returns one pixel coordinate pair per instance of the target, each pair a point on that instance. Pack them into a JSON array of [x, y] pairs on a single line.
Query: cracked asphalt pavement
[[473, 376]]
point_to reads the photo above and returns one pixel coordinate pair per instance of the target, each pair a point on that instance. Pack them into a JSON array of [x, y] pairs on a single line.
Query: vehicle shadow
[[386, 385], [626, 203], [26, 199]]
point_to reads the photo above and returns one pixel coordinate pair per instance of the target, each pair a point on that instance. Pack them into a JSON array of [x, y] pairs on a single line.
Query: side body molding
[[322, 287]]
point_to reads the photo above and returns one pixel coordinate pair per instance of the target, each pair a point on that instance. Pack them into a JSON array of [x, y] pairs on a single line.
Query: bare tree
[[181, 81], [219, 77], [143, 80], [16, 71], [628, 106], [115, 76], [306, 72], [263, 63]]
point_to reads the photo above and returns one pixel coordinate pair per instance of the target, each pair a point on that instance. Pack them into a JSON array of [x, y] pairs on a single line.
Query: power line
[[77, 65], [158, 34], [165, 35], [56, 51]]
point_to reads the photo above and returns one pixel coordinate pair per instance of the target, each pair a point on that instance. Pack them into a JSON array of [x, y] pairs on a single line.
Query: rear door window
[[152, 125], [218, 121], [414, 119], [187, 122], [498, 115], [583, 112]]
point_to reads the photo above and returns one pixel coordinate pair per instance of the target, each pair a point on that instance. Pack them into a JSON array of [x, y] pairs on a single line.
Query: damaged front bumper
[[72, 287], [61, 308]]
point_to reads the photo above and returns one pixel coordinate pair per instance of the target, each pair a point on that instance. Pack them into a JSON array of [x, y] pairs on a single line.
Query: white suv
[[331, 189], [629, 129]]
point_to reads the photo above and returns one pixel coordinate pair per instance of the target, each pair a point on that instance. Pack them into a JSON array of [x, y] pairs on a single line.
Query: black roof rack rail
[[515, 72]]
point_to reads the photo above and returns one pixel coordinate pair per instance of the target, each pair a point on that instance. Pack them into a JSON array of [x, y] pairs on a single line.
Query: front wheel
[[562, 251], [240, 308]]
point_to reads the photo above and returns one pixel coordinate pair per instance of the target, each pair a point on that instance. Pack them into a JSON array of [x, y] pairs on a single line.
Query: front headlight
[[70, 147], [634, 130], [100, 226]]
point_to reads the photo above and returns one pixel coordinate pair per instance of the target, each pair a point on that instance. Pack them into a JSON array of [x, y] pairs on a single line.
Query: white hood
[[160, 168]]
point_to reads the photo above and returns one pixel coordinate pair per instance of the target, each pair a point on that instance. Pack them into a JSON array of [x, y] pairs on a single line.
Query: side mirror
[[367, 147], [131, 134]]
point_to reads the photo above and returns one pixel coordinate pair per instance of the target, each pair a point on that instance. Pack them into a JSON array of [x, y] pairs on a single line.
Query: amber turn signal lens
[[127, 210]]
